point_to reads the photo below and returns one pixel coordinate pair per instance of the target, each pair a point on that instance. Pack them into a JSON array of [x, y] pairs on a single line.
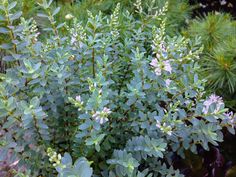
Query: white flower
[[188, 102], [101, 120], [158, 55], [14, 163], [78, 99], [169, 132], [212, 99], [101, 116], [161, 65], [167, 66], [158, 124], [158, 71], [163, 47], [59, 156], [154, 63], [223, 2], [164, 128], [69, 16], [167, 81], [230, 119], [202, 5], [73, 39], [106, 110]]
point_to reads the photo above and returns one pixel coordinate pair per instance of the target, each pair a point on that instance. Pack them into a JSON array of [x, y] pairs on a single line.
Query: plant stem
[[12, 37], [93, 62]]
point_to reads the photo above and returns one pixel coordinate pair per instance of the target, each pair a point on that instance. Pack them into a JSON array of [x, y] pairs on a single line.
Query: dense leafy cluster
[[177, 15], [103, 99]]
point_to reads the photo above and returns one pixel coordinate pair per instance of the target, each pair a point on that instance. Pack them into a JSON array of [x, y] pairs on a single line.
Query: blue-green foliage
[[125, 99], [79, 169]]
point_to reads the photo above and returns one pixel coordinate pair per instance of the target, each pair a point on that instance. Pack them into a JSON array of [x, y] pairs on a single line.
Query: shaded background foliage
[[206, 6]]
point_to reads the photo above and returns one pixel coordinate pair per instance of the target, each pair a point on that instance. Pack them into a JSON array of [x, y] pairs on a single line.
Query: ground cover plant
[[103, 99]]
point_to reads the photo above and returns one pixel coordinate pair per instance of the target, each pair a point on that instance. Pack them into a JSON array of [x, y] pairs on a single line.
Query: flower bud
[[69, 16]]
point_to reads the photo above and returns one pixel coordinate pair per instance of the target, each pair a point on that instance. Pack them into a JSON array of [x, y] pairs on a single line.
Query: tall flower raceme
[[115, 22], [77, 34], [160, 62], [160, 66], [30, 30], [123, 107]]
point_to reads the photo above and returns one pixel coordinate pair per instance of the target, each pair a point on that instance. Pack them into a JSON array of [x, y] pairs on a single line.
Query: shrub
[[115, 101], [178, 13]]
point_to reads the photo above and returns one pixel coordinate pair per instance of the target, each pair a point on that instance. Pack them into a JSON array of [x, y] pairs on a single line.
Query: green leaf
[[60, 25], [15, 16], [2, 7], [66, 159], [56, 11], [97, 147], [84, 126], [4, 30], [50, 2], [35, 102], [82, 168], [12, 5], [2, 18], [6, 46], [42, 15]]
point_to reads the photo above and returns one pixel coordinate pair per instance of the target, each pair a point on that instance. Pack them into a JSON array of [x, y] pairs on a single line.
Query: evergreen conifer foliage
[[218, 34]]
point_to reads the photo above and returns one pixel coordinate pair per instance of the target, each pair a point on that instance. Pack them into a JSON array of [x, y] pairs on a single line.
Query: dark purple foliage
[[206, 164], [205, 6]]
